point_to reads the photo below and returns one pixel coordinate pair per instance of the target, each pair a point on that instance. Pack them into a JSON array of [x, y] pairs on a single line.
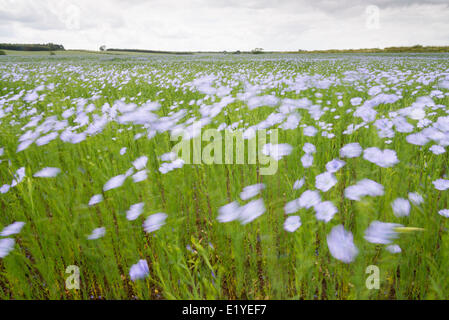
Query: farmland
[[90, 180]]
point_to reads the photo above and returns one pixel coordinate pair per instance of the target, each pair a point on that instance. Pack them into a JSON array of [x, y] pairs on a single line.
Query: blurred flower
[[47, 173], [154, 222], [13, 228], [292, 223], [381, 232], [139, 270], [97, 233], [341, 244]]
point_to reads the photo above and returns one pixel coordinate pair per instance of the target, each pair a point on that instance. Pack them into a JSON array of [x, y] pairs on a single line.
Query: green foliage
[[193, 256]]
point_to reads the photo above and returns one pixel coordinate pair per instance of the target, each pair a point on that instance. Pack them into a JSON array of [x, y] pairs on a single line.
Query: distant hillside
[[59, 47], [411, 49], [149, 51], [31, 47], [416, 49]]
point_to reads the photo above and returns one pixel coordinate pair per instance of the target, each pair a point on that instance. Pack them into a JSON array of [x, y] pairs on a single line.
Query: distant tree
[[237, 52], [257, 50], [54, 47], [103, 48]]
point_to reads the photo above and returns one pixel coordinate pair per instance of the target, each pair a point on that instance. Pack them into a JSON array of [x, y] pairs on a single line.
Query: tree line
[[31, 47], [412, 49]]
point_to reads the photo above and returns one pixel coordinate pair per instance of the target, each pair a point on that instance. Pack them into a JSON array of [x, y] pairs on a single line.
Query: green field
[[77, 112]]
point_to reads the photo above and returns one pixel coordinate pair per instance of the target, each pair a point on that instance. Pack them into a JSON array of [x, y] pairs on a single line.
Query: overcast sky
[[225, 24]]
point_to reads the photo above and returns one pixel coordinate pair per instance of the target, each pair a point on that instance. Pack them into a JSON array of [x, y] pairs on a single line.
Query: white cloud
[[222, 24]]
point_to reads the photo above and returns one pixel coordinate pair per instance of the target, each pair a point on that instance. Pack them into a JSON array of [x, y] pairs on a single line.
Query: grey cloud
[[29, 14], [58, 15], [226, 24]]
